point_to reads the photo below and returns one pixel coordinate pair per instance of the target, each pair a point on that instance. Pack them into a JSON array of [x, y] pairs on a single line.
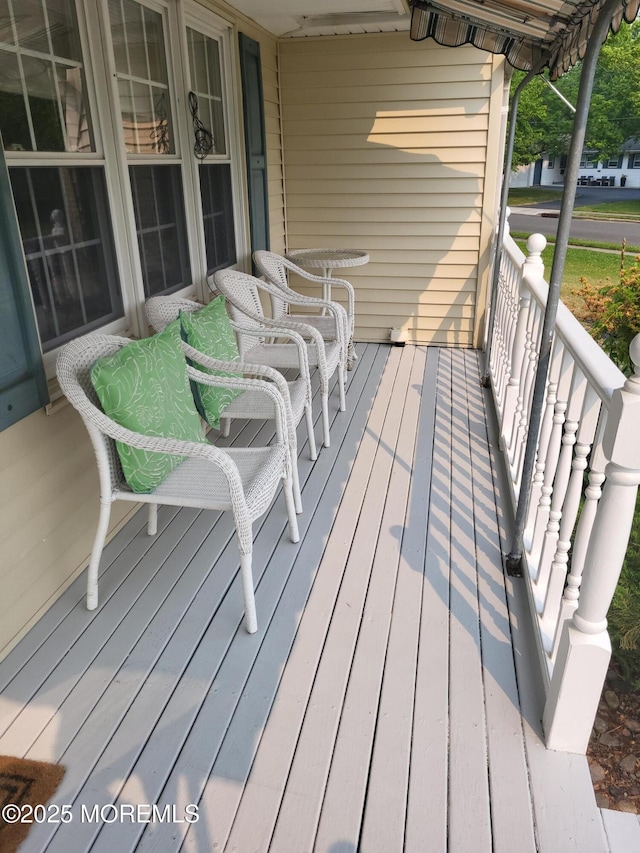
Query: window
[[614, 163], [111, 212], [551, 162], [68, 245], [160, 226], [146, 114], [43, 105], [62, 210], [214, 173], [634, 160], [587, 161]]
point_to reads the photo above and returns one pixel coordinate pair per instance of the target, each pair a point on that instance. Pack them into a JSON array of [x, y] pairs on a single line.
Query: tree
[[544, 122]]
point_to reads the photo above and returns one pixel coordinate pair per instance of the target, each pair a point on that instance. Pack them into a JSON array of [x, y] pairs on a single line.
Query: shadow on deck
[[389, 700]]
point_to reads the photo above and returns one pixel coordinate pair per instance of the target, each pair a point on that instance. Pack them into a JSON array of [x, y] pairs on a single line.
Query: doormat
[[25, 787]]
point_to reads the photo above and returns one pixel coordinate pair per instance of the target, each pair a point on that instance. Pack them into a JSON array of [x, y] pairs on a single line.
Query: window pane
[[6, 30], [206, 82], [139, 50], [65, 39], [75, 109], [13, 110], [217, 214], [68, 244], [161, 228], [43, 103], [30, 25]]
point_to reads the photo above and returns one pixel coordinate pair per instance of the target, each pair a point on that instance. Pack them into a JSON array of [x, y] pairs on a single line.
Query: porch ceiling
[[297, 18], [529, 33]]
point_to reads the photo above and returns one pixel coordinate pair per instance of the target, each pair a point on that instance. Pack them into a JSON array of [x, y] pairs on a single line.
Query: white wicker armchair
[[241, 480], [255, 332], [274, 267], [250, 404]]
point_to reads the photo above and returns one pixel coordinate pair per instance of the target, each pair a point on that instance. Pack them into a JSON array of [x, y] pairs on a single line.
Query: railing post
[[584, 650]]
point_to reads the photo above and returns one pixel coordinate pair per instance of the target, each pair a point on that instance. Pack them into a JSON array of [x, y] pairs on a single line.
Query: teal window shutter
[[23, 385], [255, 141]]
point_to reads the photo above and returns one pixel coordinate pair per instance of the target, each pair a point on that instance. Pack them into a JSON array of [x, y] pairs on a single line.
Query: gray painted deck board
[[378, 708], [622, 831]]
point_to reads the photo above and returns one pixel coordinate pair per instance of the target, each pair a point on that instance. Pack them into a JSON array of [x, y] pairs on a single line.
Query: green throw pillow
[[209, 331], [145, 388]]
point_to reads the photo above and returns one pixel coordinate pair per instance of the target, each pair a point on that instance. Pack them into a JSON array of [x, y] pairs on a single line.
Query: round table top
[[328, 258]]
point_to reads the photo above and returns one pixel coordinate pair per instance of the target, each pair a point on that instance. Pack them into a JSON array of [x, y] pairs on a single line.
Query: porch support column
[[514, 558], [499, 236]]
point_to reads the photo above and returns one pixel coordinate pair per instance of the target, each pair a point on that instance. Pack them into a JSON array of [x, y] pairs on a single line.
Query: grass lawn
[[532, 195], [629, 208], [524, 196], [596, 267]]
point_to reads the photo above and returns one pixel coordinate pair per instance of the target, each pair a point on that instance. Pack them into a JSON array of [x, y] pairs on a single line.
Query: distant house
[[623, 170]]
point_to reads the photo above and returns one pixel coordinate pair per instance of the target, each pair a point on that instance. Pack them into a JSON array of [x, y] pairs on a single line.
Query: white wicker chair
[[255, 332], [251, 404], [243, 480], [274, 267]]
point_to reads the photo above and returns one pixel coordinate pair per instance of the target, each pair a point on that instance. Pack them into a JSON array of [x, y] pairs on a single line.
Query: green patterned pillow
[[209, 331], [145, 388]]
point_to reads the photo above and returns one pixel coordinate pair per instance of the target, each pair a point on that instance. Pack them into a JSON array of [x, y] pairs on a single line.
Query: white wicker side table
[[328, 260]]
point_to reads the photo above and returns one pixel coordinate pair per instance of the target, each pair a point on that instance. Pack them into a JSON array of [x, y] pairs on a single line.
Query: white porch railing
[[583, 491]]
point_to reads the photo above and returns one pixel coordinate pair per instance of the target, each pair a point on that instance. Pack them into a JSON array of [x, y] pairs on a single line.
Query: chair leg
[[313, 452], [152, 523], [294, 534], [325, 418], [342, 377], [250, 618], [295, 476], [352, 355], [225, 427], [96, 553]]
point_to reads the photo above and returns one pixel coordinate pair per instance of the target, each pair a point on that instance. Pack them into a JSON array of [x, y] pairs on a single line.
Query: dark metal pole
[[598, 35], [497, 256]]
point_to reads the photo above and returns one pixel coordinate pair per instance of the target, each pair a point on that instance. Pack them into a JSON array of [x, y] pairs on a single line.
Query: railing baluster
[[587, 439], [553, 560], [551, 454], [584, 649], [520, 344]]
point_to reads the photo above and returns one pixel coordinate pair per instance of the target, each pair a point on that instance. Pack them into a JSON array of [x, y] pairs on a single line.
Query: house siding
[[385, 150], [49, 498]]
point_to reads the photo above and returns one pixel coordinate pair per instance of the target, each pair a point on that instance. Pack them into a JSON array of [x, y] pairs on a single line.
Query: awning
[[553, 33]]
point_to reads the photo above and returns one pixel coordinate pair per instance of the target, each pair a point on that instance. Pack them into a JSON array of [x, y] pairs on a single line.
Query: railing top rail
[[514, 251]]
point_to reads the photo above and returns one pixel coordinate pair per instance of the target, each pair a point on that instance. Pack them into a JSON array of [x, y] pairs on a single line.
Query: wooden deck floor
[[382, 706]]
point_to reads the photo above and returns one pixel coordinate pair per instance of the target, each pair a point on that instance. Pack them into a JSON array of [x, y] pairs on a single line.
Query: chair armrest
[[271, 329], [249, 370], [334, 282], [98, 421], [242, 384]]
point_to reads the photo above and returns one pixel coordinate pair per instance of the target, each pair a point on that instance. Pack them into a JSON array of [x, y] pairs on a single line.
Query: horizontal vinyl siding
[[48, 514], [385, 150]]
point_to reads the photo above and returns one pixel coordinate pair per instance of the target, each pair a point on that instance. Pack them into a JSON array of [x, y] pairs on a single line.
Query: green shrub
[[612, 313]]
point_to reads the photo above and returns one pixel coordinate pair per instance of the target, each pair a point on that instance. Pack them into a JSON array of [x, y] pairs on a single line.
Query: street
[[534, 220]]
